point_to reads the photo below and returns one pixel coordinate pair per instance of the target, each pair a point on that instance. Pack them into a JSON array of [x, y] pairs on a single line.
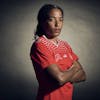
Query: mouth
[[57, 30]]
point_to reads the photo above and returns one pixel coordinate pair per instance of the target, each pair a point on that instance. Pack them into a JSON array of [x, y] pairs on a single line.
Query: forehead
[[55, 12]]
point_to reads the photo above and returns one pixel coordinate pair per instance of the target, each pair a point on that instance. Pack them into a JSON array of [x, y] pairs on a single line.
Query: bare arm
[[80, 75], [62, 76], [74, 74]]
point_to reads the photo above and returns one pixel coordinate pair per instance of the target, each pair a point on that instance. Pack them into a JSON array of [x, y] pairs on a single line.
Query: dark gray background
[[17, 25]]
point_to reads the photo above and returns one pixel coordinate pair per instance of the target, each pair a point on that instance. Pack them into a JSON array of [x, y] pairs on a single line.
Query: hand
[[76, 66]]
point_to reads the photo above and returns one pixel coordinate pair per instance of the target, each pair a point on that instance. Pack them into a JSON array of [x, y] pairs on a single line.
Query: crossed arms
[[74, 74]]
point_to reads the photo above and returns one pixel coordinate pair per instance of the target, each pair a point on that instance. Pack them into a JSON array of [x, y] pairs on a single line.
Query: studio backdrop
[[81, 30]]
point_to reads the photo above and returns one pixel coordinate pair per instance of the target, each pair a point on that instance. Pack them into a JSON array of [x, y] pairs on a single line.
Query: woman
[[56, 65]]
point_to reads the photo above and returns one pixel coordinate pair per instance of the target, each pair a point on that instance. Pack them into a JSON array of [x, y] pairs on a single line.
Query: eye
[[50, 19], [61, 19]]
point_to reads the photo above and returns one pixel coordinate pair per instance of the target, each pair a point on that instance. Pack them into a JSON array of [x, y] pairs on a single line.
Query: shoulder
[[40, 44]]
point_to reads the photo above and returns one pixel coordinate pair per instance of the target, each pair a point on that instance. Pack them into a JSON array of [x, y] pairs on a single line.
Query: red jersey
[[43, 53]]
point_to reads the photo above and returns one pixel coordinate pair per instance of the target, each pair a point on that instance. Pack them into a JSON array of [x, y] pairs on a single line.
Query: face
[[53, 24]]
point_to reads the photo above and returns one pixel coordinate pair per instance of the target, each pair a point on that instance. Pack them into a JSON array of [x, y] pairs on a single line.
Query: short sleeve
[[74, 56], [42, 55]]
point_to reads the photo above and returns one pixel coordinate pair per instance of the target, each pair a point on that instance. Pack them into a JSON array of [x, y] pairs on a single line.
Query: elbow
[[84, 77]]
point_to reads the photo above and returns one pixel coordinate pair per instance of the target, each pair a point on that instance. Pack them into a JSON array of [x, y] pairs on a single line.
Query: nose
[[56, 23]]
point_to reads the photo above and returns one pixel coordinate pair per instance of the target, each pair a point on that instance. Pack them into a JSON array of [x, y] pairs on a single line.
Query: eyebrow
[[55, 17]]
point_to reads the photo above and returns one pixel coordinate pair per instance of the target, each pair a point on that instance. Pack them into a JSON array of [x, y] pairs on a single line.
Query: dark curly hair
[[42, 16]]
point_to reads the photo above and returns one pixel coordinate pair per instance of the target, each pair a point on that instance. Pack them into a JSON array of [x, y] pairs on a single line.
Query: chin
[[56, 34], [53, 35]]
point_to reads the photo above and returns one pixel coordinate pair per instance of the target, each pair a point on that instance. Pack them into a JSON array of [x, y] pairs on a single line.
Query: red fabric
[[43, 53]]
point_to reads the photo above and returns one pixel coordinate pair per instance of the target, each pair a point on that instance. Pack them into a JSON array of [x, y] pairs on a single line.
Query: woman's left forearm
[[79, 75]]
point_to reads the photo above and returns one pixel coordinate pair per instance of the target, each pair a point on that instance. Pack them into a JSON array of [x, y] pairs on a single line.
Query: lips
[[57, 30]]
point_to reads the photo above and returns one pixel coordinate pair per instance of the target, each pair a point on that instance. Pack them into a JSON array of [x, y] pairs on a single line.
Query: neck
[[53, 39]]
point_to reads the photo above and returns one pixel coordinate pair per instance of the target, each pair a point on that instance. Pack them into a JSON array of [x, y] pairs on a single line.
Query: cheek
[[50, 25], [61, 24]]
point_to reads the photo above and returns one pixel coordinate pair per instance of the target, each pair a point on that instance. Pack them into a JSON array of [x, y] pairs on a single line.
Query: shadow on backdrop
[[17, 25]]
